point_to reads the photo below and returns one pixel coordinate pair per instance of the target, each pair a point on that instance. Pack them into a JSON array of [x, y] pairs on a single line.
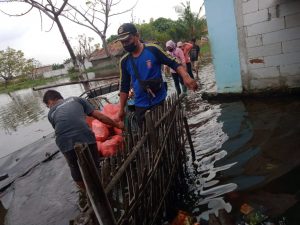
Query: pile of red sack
[[109, 139]]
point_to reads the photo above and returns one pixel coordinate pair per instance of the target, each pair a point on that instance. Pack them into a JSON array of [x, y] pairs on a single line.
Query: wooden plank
[[94, 188], [73, 82]]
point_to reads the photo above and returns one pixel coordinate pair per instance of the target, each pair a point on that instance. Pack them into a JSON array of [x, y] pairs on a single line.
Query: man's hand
[[191, 84], [120, 125], [106, 120], [121, 114]]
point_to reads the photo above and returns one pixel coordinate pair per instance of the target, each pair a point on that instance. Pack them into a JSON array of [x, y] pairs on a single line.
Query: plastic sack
[[118, 131], [89, 121], [111, 110], [107, 148], [100, 130], [119, 140], [182, 218]]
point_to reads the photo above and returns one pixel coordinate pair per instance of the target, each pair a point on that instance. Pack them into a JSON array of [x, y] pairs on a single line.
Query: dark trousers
[[71, 158], [177, 81], [140, 112], [189, 69]]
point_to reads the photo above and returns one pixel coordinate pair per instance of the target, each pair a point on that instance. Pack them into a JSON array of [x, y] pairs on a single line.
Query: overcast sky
[[25, 33]]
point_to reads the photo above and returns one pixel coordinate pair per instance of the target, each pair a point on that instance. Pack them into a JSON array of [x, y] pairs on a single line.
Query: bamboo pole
[[188, 134], [94, 188], [74, 82], [140, 177]]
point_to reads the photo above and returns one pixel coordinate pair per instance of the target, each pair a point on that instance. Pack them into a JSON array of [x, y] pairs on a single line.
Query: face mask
[[130, 48], [170, 49]]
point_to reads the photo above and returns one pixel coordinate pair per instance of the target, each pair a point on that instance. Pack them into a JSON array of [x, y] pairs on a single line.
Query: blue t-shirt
[[68, 119], [148, 64]]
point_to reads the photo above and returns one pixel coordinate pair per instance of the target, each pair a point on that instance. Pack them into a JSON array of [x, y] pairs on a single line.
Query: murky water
[[243, 148], [247, 151]]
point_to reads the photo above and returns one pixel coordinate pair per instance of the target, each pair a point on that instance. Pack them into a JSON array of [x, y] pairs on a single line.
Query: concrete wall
[[105, 67], [223, 37], [54, 73], [269, 43], [67, 66]]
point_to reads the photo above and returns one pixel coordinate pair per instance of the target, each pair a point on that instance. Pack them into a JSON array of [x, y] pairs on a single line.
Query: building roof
[[114, 48]]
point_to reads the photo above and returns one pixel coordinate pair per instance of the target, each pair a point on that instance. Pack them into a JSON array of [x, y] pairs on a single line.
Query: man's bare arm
[[105, 119], [123, 101], [188, 81]]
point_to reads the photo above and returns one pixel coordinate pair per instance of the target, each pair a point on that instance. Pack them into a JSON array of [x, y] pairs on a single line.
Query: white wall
[[64, 71], [55, 73], [269, 43]]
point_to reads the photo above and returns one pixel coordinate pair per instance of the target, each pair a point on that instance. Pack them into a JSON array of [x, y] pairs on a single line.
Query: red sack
[[107, 148], [112, 111], [89, 120], [118, 131], [100, 130], [99, 143], [118, 139]]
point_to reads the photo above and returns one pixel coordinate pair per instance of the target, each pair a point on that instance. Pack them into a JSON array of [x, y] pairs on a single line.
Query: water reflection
[[23, 109], [240, 146]]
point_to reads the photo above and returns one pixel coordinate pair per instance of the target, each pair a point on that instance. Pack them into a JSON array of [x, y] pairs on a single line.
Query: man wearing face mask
[[141, 68]]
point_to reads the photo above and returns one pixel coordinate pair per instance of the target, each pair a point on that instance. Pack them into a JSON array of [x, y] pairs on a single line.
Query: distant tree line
[[186, 27], [13, 63]]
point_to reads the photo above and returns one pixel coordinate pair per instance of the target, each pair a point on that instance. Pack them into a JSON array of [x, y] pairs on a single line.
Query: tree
[[188, 26], [56, 66], [193, 25], [112, 38], [13, 63], [95, 15], [30, 67], [161, 30], [84, 49], [51, 10]]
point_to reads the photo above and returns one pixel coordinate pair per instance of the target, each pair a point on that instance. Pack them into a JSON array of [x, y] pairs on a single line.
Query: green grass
[[18, 85], [205, 50]]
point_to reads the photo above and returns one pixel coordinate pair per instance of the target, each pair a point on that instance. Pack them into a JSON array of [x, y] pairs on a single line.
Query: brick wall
[[269, 43]]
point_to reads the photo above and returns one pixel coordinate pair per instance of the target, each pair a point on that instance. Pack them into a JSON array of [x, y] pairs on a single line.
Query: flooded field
[[23, 116], [247, 156]]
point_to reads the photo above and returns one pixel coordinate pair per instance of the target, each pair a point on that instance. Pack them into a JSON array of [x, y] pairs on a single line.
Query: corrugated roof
[[114, 48]]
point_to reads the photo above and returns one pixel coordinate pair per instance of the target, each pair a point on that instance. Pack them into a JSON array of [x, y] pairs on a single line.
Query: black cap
[[125, 30]]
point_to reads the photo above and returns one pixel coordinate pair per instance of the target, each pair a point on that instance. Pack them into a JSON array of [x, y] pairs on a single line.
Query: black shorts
[[140, 112], [71, 158]]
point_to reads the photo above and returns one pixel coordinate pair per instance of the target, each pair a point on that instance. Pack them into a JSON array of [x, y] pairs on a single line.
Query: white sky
[[24, 33]]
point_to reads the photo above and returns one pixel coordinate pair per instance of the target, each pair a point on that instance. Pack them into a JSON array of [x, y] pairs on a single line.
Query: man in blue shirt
[[143, 63]]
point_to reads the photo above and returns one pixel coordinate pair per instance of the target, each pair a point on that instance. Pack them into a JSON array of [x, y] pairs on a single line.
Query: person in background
[[186, 48], [141, 67], [194, 54], [178, 54], [68, 118]]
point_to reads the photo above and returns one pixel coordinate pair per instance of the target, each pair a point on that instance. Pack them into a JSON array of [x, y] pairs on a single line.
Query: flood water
[[23, 116], [247, 152]]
